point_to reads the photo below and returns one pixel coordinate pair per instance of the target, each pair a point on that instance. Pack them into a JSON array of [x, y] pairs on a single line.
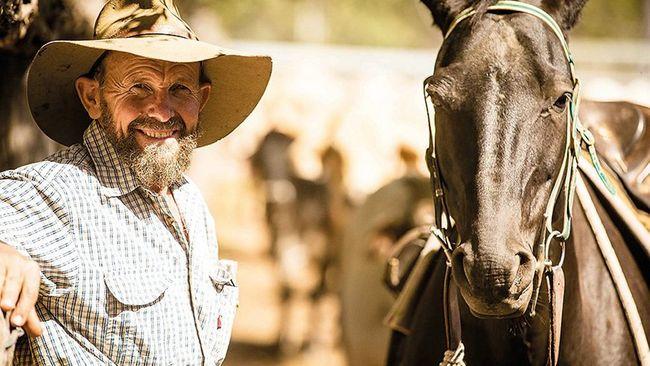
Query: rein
[[562, 193]]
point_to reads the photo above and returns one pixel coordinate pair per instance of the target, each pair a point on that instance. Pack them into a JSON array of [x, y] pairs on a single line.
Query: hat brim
[[238, 82]]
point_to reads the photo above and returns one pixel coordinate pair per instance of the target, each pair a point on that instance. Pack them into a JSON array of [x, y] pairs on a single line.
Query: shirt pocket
[[223, 278], [134, 304]]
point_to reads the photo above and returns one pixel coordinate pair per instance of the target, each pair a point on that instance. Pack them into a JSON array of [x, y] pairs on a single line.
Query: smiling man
[[108, 254], [130, 102]]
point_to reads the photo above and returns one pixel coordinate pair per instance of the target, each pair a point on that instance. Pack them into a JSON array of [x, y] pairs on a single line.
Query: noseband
[[562, 192]]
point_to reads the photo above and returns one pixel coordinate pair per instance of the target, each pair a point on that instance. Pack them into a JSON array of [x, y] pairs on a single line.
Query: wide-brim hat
[[151, 29]]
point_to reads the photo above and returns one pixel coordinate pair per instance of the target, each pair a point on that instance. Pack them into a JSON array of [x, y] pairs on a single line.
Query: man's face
[[150, 111], [136, 87]]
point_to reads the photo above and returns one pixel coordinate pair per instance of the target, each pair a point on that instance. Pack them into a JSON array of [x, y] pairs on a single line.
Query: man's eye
[[179, 87], [141, 88]]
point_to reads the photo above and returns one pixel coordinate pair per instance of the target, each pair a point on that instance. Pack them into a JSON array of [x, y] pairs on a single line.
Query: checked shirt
[[121, 282]]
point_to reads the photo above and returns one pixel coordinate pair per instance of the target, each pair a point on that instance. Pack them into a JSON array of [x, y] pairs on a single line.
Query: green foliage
[[400, 23], [612, 19], [384, 23]]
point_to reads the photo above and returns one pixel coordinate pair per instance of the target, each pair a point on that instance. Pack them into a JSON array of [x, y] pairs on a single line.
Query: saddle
[[403, 258], [622, 132]]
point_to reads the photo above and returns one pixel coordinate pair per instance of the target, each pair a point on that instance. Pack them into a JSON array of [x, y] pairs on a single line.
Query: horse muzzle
[[495, 283]]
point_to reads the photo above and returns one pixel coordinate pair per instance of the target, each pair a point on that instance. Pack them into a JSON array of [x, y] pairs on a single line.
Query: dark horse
[[500, 89]]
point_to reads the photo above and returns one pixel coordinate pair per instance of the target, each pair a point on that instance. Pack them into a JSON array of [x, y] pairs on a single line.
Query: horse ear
[[565, 12], [444, 11]]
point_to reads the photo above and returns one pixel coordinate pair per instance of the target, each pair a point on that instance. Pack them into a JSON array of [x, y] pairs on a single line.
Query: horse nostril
[[523, 271], [525, 259], [459, 260]]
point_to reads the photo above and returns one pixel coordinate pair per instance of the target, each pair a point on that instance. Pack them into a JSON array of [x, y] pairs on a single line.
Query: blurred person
[[303, 233], [409, 159], [325, 296], [108, 254], [339, 207], [272, 168]]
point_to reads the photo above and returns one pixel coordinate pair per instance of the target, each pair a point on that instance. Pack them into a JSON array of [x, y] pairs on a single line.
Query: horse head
[[500, 89]]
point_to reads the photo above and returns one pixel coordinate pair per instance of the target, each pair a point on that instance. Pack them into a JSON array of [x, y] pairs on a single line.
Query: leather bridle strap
[[454, 356], [555, 293], [443, 222]]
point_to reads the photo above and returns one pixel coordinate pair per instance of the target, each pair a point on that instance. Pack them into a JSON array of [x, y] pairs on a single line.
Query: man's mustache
[[150, 123]]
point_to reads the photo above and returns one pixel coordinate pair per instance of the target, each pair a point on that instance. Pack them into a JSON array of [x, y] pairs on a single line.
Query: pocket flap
[[223, 275], [225, 272], [137, 288]]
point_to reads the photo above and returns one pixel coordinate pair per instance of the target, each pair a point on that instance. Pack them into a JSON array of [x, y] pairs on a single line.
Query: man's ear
[[204, 92], [444, 11], [88, 91], [565, 12]]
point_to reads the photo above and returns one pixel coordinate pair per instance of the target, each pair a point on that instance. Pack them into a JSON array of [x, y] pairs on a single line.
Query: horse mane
[[567, 11], [481, 7]]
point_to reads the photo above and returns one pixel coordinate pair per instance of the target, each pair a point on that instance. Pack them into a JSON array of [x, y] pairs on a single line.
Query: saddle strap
[[555, 291], [614, 266]]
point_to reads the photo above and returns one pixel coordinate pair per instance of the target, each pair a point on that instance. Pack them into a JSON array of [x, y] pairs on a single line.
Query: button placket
[[169, 221], [182, 234]]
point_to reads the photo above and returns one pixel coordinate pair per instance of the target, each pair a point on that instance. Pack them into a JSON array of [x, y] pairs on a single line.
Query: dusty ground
[[260, 317]]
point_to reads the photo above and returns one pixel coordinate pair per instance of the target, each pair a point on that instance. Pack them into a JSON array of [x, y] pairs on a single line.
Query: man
[[108, 254]]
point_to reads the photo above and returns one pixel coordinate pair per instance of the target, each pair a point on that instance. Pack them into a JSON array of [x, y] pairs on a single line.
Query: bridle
[[562, 193]]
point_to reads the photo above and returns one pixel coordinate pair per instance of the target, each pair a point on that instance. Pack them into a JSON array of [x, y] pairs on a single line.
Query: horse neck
[[592, 315]]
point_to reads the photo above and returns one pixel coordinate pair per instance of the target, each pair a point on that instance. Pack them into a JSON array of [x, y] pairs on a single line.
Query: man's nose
[[160, 107]]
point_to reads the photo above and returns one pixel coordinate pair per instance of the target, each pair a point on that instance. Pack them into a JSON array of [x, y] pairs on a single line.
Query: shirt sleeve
[[33, 220]]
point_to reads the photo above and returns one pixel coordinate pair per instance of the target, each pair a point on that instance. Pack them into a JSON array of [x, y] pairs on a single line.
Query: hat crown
[[132, 18]]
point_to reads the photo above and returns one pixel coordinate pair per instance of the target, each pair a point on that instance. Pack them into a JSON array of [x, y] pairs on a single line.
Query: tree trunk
[[25, 25]]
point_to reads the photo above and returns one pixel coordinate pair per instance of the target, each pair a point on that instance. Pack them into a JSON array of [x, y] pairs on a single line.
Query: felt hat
[[151, 29]]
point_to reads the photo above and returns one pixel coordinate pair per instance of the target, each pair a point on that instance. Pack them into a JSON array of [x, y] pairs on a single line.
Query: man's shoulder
[[58, 169], [193, 191]]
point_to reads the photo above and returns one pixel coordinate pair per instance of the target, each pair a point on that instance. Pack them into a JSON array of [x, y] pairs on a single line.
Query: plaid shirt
[[120, 282]]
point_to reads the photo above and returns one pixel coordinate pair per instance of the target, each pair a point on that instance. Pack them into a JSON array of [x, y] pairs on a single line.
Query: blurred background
[[311, 192]]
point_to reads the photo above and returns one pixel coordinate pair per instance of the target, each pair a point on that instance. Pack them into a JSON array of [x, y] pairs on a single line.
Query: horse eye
[[561, 102]]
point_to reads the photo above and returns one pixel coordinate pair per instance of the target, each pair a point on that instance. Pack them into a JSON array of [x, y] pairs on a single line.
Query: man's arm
[[19, 284], [32, 234]]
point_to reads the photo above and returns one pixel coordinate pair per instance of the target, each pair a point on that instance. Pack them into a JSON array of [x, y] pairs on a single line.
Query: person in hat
[[108, 253]]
